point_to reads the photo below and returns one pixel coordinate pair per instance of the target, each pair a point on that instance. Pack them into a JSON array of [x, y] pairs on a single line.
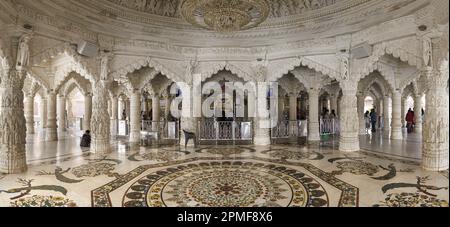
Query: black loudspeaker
[[87, 49], [362, 51]]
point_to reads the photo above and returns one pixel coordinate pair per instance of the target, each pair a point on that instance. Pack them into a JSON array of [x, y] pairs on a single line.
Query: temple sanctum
[[224, 103]]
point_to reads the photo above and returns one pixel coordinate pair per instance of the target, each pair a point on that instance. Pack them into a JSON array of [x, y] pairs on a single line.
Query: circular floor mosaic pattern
[[226, 184]]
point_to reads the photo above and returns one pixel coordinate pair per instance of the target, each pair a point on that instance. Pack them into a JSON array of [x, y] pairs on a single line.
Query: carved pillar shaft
[[262, 132], [361, 120], [313, 119], [348, 140], [418, 114], [43, 113], [135, 117], [87, 112], [436, 126], [334, 103], [403, 112], [114, 116], [100, 120], [293, 107], [386, 117], [12, 122], [29, 113], [167, 110], [52, 127], [396, 130], [156, 111], [62, 113]]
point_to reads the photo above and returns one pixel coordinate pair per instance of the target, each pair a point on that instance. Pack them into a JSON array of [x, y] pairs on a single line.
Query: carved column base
[[386, 133], [51, 134], [135, 137], [100, 147], [13, 159], [396, 134], [114, 127], [30, 128], [313, 132], [262, 140], [349, 143], [435, 158]]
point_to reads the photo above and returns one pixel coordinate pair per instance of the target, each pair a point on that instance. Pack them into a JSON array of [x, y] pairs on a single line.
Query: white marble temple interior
[[308, 103]]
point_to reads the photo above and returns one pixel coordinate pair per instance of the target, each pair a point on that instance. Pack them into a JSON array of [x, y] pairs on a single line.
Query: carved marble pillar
[[293, 98], [361, 120], [348, 140], [114, 115], [313, 119], [43, 112], [135, 117], [292, 106], [435, 144], [29, 113], [418, 114], [52, 128], [334, 103], [261, 130], [386, 117], [87, 112], [156, 108], [167, 109], [62, 113], [100, 120], [12, 122], [403, 112], [396, 127]]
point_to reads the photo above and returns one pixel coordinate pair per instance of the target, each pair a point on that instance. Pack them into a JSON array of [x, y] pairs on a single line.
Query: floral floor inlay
[[225, 176]]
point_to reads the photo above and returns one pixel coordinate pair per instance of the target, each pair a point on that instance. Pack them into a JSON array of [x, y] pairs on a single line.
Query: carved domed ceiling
[[278, 8], [162, 21]]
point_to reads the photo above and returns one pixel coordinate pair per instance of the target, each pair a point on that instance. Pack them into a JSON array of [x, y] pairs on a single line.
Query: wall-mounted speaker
[[87, 49], [362, 51]]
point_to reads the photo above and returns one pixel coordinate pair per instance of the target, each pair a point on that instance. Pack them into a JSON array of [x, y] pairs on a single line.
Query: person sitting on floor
[[86, 139]]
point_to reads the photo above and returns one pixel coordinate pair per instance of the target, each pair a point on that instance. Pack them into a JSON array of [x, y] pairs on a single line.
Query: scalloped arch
[[63, 74], [211, 69], [292, 63], [363, 67], [147, 62]]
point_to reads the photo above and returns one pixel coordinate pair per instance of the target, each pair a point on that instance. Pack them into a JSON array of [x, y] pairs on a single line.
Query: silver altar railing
[[225, 130]]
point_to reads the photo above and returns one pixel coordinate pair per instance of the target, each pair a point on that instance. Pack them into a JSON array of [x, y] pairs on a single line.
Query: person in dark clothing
[[373, 119], [86, 139]]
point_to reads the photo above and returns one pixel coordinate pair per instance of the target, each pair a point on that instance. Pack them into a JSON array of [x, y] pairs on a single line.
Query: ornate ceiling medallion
[[225, 15]]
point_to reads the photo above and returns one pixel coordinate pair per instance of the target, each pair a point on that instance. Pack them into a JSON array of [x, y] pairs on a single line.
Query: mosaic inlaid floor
[[225, 176]]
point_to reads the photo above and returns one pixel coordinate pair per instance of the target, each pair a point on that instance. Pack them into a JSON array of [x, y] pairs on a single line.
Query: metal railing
[[225, 130], [166, 130], [329, 126], [287, 129]]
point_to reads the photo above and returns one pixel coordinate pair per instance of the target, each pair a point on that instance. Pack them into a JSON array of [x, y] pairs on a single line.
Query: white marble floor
[[62, 174]]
